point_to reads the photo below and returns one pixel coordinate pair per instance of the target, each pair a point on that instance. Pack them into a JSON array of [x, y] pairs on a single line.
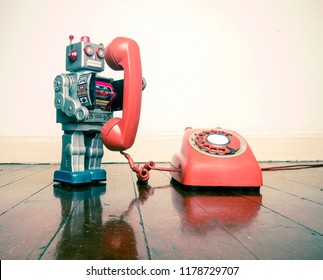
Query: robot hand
[[64, 102]]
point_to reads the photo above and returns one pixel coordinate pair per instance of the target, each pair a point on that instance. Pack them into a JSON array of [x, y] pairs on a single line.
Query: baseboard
[[307, 147]]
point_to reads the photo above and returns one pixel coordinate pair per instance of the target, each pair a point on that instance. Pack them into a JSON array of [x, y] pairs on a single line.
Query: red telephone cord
[[292, 166], [144, 175], [143, 171]]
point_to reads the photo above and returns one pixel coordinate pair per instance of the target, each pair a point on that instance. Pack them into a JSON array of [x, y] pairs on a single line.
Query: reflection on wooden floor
[[120, 219]]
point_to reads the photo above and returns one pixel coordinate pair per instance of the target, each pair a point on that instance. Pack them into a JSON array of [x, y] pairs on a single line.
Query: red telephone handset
[[118, 134]]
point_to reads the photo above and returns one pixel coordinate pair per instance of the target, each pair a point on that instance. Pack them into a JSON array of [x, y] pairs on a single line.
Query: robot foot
[[73, 178], [79, 177], [98, 175]]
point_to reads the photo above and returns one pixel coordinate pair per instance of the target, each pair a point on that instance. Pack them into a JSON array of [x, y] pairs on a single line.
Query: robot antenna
[[71, 37]]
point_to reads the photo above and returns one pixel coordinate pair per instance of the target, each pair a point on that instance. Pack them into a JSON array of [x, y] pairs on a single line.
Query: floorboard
[[121, 219]]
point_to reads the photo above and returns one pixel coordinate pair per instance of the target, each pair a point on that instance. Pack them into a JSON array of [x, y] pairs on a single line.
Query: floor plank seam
[[300, 197], [141, 222], [61, 226], [15, 170], [298, 182], [12, 207], [24, 177], [282, 215], [225, 228]]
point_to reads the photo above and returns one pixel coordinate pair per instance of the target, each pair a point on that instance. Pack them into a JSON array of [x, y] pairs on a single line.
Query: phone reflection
[[85, 235], [208, 209]]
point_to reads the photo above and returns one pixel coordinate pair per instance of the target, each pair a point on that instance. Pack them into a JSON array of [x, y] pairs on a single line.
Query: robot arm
[[64, 102]]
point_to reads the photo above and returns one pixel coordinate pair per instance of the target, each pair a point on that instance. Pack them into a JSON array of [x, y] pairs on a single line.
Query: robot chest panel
[[94, 92], [83, 90]]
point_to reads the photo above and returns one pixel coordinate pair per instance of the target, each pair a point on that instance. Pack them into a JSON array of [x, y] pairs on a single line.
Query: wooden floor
[[40, 219]]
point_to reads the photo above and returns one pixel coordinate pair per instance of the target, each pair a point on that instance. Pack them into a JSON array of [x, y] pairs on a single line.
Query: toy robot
[[84, 103]]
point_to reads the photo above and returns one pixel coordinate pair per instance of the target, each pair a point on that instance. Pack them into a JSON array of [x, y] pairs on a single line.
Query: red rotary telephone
[[212, 157], [217, 158], [118, 134]]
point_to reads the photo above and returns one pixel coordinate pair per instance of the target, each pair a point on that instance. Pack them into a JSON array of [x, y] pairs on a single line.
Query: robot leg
[[93, 155], [73, 157]]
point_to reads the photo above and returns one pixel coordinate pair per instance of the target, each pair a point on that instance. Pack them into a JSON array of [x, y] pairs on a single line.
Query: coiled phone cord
[[143, 174]]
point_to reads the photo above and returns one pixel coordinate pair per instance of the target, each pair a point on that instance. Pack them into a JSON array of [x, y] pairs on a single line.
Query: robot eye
[[100, 53], [88, 50], [72, 56]]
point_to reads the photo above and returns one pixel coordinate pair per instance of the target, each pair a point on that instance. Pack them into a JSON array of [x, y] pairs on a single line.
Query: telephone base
[[229, 189], [216, 158], [79, 177]]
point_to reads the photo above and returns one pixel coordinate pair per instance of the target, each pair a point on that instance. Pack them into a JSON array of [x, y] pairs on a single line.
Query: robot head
[[84, 55]]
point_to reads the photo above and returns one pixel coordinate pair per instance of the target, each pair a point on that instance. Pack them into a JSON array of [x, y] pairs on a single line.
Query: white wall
[[251, 66]]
